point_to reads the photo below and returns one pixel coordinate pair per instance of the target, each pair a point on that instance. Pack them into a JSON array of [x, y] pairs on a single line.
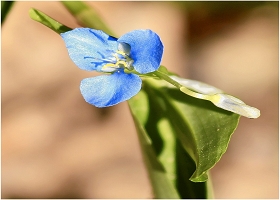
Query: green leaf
[[161, 184], [203, 129], [86, 15], [185, 168], [48, 21], [160, 132], [150, 110], [192, 133]]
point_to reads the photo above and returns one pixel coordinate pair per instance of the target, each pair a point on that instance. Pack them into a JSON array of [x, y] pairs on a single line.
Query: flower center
[[120, 59]]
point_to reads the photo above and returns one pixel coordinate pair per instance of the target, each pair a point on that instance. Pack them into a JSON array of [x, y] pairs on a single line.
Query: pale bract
[[216, 96]]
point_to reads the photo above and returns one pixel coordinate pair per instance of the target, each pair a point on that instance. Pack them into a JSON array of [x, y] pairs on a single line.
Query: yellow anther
[[122, 53], [119, 62], [109, 65]]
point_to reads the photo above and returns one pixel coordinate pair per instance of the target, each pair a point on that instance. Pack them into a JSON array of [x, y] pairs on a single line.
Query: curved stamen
[[99, 59], [122, 61]]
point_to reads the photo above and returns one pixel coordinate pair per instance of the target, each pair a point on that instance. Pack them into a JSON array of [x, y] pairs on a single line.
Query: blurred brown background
[[55, 145]]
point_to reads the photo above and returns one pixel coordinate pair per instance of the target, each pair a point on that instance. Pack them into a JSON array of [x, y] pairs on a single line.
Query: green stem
[[165, 77], [48, 21], [185, 90]]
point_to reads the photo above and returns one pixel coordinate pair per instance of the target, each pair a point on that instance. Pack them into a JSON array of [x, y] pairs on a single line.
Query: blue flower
[[94, 50]]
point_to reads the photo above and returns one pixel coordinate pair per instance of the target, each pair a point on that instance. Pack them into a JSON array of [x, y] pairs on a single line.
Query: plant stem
[[183, 89]]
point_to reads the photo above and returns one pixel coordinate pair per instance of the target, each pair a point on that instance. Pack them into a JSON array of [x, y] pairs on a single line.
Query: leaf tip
[[33, 14], [199, 178]]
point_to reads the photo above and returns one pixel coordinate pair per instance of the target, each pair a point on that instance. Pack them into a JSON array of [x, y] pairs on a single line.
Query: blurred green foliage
[[5, 9], [205, 18]]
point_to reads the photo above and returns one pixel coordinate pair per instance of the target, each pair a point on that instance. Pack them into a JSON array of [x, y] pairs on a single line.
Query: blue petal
[[108, 90], [87, 47], [146, 49]]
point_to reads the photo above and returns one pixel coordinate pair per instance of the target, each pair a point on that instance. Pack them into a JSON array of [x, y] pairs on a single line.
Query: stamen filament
[[100, 59]]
